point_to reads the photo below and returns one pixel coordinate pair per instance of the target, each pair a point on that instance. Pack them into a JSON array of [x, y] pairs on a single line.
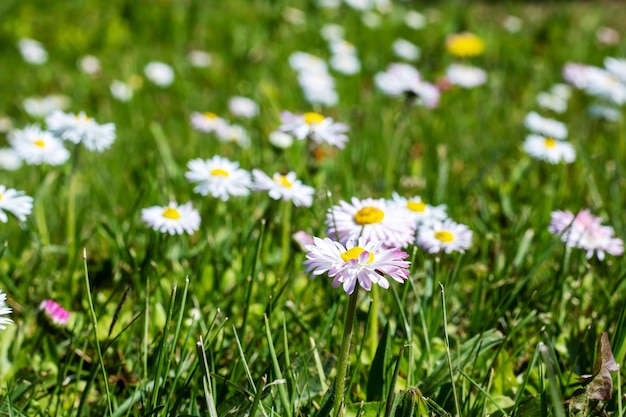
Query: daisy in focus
[[404, 79], [55, 313], [359, 261], [315, 126], [219, 177], [444, 236], [207, 122], [79, 128], [549, 149], [465, 45], [284, 187], [35, 146], [585, 231], [15, 202], [418, 210], [544, 126], [374, 219], [4, 311], [173, 219]]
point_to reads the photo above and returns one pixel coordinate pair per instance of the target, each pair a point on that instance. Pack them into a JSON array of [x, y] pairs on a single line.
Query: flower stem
[[286, 235], [373, 327], [342, 366]]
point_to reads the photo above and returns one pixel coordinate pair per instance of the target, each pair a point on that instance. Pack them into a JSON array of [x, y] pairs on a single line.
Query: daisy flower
[[234, 133], [345, 64], [207, 122], [406, 50], [32, 51], [465, 45], [284, 187], [418, 210], [41, 107], [121, 91], [374, 219], [90, 65], [159, 73], [199, 59], [4, 311], [280, 139], [544, 126], [359, 261], [9, 159], [55, 313], [600, 111], [172, 219], [447, 236], [549, 149], [15, 202], [79, 128], [315, 126], [466, 76], [219, 177], [243, 107], [35, 146], [551, 102], [415, 20], [404, 79]]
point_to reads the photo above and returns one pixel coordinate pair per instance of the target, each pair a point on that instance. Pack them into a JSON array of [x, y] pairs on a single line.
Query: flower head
[[404, 79], [406, 50], [79, 128], [208, 122], [465, 45], [15, 202], [284, 187], [444, 236], [418, 210], [374, 219], [314, 126], [544, 126], [466, 76], [159, 73], [243, 107], [219, 177], [359, 261], [44, 106], [549, 149], [35, 146], [32, 51], [173, 219], [4, 311], [57, 314]]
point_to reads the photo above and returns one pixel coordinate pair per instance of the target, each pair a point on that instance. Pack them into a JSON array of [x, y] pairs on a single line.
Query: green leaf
[[376, 379]]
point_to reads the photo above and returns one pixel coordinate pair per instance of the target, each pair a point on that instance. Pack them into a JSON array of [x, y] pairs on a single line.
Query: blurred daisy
[[465, 45], [404, 79], [302, 239], [444, 236], [607, 36], [314, 79], [172, 219], [415, 20], [345, 64], [9, 159], [371, 19], [374, 219], [512, 24], [15, 202], [606, 85], [35, 146], [159, 73], [32, 51], [199, 59], [315, 126], [284, 187], [90, 65], [562, 91], [406, 50], [121, 91], [43, 106], [243, 107], [207, 122], [359, 261], [466, 76], [55, 313], [549, 149], [79, 128], [544, 126], [219, 177], [4, 311], [551, 102], [280, 139], [600, 111], [332, 32], [585, 231], [418, 210], [6, 124], [616, 67], [234, 133]]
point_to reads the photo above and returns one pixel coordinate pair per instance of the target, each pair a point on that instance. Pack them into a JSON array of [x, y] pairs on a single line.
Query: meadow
[[312, 208]]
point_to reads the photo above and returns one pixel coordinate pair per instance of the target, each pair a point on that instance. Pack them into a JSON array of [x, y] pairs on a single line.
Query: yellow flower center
[[171, 213], [282, 180], [369, 215], [39, 143], [444, 236], [550, 143], [218, 172], [0, 196], [354, 253], [81, 118], [313, 118], [210, 116], [465, 44], [416, 206]]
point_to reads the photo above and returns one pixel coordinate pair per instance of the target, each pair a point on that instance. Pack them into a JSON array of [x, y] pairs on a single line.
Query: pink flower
[[56, 313]]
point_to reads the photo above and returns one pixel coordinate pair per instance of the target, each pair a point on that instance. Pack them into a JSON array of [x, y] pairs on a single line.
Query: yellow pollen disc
[[465, 44], [313, 118], [444, 236], [218, 172], [0, 196], [282, 180], [550, 143], [211, 116], [369, 215], [81, 118], [416, 206], [39, 143], [354, 254], [171, 213]]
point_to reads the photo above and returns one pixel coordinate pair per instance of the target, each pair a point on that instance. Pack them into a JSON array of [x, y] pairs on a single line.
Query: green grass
[[221, 322]]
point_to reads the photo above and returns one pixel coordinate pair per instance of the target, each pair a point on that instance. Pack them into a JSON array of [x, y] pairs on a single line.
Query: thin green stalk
[[279, 375], [286, 235], [447, 340], [344, 354], [206, 381], [373, 327], [162, 349], [94, 323]]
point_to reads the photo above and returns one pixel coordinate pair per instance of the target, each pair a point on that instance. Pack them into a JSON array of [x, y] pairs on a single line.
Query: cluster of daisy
[[585, 231], [344, 58], [464, 45], [607, 85], [209, 122], [547, 142], [314, 79]]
